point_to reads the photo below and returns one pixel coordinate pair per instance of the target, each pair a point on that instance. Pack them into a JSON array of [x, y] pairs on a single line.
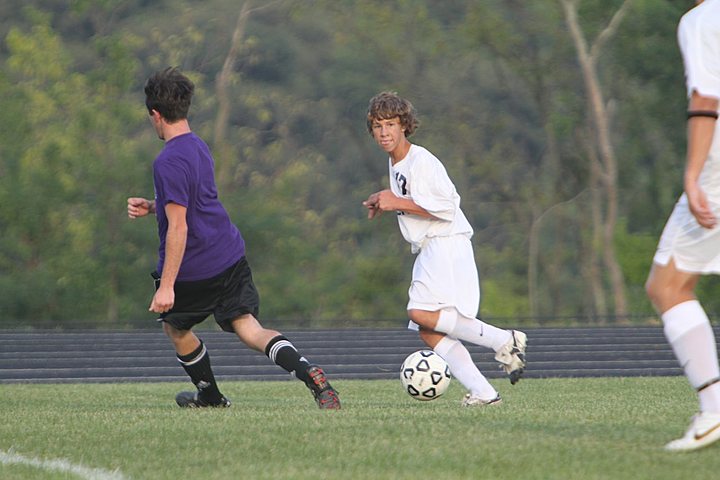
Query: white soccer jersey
[[692, 247], [422, 178], [699, 40]]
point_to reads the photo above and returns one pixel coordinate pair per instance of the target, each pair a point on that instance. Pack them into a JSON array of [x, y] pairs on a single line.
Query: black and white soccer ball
[[425, 375]]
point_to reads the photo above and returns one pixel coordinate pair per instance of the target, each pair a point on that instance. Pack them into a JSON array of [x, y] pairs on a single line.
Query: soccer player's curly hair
[[386, 105], [169, 93]]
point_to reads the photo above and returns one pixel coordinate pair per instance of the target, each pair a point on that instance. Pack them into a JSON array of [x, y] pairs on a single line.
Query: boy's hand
[[163, 300], [138, 207], [699, 207], [372, 205]]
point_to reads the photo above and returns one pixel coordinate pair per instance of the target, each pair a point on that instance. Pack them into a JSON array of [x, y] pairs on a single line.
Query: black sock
[[284, 354], [197, 366]]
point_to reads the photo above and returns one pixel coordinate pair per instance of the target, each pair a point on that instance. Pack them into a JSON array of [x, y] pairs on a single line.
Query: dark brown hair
[[169, 93], [386, 105]]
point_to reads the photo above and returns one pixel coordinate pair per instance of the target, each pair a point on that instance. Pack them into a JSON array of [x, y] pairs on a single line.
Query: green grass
[[610, 428]]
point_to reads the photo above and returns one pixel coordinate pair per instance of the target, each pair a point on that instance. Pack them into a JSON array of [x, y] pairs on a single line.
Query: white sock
[[463, 368], [710, 398], [471, 330], [691, 337]]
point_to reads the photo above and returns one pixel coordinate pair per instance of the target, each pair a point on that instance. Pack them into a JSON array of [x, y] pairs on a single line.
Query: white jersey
[[692, 247], [422, 178], [699, 40]]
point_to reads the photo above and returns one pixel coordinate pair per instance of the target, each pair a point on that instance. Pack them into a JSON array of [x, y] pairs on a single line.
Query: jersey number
[[402, 182]]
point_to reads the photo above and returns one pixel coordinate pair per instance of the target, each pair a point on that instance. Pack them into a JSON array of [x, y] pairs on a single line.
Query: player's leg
[[195, 360], [509, 345], [273, 344], [462, 367], [691, 337], [472, 330], [193, 302], [445, 297], [237, 312], [284, 354]]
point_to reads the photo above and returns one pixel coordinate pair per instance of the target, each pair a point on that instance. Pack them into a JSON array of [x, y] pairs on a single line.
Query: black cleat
[[193, 400], [325, 395]]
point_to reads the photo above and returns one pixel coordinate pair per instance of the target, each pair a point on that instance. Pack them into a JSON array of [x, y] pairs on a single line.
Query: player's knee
[[651, 289], [660, 293], [665, 294], [659, 288], [183, 340], [174, 333], [425, 319]]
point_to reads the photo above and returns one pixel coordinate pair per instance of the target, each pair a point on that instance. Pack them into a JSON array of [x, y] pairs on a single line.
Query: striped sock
[[197, 366], [281, 351]]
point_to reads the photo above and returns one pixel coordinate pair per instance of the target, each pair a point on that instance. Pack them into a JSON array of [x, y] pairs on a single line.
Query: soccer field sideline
[[147, 356]]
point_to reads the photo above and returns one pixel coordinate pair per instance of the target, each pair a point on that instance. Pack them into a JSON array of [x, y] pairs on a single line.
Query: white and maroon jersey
[[699, 40], [422, 178]]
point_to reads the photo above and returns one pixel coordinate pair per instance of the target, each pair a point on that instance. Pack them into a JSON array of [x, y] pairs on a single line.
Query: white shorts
[[445, 275], [693, 248]]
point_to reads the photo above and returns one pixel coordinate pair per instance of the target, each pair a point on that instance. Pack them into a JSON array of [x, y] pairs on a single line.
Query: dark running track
[[147, 356]]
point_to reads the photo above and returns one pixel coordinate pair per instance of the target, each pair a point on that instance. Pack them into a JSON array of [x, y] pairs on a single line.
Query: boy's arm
[[175, 241], [386, 200], [700, 132]]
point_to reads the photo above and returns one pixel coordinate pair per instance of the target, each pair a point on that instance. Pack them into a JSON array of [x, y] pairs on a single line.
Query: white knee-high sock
[[690, 334], [463, 368], [472, 330]]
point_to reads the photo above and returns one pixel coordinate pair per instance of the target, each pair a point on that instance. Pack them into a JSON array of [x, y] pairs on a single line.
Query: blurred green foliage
[[501, 101]]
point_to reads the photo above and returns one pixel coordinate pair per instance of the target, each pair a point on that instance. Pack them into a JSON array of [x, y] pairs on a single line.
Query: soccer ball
[[425, 375]]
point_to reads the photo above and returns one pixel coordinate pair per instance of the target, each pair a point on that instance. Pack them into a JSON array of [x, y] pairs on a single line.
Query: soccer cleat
[[704, 429], [193, 400], [325, 395], [512, 356], [475, 401]]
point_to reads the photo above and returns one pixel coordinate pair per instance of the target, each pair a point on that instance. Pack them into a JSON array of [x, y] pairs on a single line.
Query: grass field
[[609, 428]]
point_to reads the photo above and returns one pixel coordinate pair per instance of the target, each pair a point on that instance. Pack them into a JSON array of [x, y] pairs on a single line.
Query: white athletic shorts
[[694, 248], [444, 275]]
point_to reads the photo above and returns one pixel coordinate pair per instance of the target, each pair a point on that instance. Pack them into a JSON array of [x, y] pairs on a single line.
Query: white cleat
[[475, 401], [704, 430], [512, 355]]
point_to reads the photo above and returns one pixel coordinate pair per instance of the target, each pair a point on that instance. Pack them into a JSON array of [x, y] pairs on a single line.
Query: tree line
[[560, 121]]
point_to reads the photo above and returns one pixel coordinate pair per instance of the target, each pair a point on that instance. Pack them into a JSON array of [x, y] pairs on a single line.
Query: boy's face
[[389, 133]]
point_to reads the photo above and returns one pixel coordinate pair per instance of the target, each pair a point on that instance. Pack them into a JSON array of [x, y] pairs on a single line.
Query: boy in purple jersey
[[202, 269]]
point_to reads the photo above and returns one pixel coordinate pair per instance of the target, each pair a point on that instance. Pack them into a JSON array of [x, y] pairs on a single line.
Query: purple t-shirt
[[184, 174]]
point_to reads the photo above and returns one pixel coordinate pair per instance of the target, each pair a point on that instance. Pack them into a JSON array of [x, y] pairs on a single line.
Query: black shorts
[[227, 296]]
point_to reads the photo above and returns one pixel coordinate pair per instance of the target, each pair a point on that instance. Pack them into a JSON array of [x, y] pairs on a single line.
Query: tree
[[601, 152], [72, 174]]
